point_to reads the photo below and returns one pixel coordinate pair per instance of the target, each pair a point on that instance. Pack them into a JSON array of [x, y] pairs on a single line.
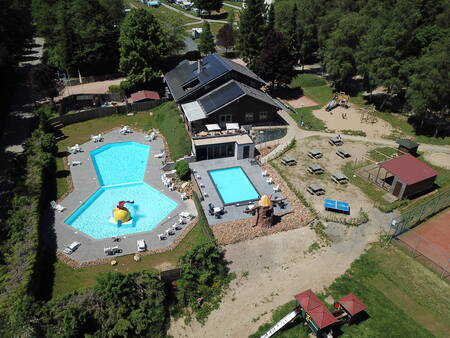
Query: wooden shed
[[407, 146], [411, 176]]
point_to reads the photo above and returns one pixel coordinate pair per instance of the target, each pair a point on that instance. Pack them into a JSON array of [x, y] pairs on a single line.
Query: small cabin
[[408, 147]]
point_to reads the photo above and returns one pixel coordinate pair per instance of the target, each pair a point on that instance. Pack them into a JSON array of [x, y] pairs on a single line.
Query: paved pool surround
[[57, 234], [233, 212]]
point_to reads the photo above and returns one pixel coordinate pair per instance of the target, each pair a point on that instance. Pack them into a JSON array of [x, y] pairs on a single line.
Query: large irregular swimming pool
[[120, 168], [233, 185]]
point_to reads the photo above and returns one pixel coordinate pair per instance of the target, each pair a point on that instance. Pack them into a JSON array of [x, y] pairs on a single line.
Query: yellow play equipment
[[342, 99], [120, 213]]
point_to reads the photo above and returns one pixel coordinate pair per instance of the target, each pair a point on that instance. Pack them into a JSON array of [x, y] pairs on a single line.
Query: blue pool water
[[119, 163], [233, 185], [120, 169]]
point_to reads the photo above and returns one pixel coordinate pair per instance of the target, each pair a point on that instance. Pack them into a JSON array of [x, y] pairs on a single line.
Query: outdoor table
[[335, 140], [315, 169], [338, 206], [314, 153], [339, 178], [287, 160], [315, 189]]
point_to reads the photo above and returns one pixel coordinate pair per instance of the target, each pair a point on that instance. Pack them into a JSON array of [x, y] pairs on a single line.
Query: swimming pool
[[120, 169], [233, 185]]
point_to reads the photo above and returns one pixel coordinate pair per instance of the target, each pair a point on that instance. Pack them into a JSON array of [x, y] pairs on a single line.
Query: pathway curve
[[199, 20], [232, 6]]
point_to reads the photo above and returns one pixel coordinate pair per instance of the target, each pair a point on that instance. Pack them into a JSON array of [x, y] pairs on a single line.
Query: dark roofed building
[[411, 176], [407, 146], [188, 81]]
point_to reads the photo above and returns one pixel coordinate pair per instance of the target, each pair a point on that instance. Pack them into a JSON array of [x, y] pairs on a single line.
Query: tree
[[174, 33], [428, 94], [142, 47], [275, 62], [252, 31], [271, 18], [226, 37], [206, 43], [293, 39], [182, 170], [208, 5], [42, 81]]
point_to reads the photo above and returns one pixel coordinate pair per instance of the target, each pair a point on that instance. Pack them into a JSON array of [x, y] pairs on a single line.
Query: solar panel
[[221, 96]]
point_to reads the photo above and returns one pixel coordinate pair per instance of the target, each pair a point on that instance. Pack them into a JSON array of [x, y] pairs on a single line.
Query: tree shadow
[[287, 93]]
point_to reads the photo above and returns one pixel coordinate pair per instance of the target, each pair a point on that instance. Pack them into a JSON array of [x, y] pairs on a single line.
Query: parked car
[[154, 4], [70, 249], [141, 245], [195, 33]]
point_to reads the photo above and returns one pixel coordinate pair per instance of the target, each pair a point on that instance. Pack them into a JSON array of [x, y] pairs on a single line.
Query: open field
[[404, 298], [164, 14], [165, 117]]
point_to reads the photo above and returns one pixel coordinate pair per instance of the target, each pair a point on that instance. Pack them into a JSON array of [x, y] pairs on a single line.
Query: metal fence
[[416, 214]]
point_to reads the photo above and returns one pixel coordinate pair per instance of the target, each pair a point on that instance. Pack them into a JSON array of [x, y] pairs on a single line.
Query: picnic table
[[342, 153], [287, 160], [336, 141], [315, 189], [337, 206], [315, 169], [314, 153], [339, 178]]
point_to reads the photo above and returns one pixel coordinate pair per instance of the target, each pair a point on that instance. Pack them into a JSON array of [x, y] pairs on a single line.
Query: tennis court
[[431, 239]]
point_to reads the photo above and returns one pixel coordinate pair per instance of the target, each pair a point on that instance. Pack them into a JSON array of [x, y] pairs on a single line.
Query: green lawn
[[67, 279], [215, 26], [165, 117], [403, 298], [164, 14], [234, 3], [317, 89]]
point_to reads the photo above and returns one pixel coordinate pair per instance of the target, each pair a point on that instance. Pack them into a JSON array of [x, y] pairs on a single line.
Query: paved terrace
[[85, 183], [232, 212]]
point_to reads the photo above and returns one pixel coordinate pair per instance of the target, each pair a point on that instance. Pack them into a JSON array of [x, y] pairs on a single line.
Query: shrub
[[182, 170], [115, 89]]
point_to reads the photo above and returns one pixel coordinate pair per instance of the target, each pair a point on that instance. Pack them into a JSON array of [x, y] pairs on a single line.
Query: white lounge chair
[[170, 232], [186, 214], [176, 226], [74, 163], [181, 221], [162, 237], [172, 187], [183, 196], [264, 173], [205, 194], [151, 136], [276, 188], [57, 207], [96, 138], [71, 248], [198, 176], [269, 180], [160, 155], [124, 130], [202, 185]]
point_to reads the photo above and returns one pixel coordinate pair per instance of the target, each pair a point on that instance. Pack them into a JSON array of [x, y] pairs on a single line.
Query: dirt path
[[271, 269]]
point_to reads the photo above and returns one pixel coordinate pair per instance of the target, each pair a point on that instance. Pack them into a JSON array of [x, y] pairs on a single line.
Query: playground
[[353, 118], [432, 241]]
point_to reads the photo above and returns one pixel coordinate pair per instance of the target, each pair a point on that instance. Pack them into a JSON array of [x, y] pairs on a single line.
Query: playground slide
[[278, 326], [331, 104]]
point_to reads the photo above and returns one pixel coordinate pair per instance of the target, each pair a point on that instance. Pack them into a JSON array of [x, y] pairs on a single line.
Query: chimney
[[199, 66]]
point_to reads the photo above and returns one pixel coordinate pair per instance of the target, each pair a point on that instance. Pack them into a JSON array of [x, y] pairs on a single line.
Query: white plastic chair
[[269, 180], [162, 237], [264, 173], [74, 163], [159, 155], [276, 188], [57, 207]]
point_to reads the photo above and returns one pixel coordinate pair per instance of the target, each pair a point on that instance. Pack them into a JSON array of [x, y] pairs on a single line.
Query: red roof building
[[352, 304], [411, 176], [318, 312], [144, 95]]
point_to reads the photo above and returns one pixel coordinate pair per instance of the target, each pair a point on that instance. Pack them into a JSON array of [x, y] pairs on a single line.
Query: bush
[[182, 169], [115, 89]]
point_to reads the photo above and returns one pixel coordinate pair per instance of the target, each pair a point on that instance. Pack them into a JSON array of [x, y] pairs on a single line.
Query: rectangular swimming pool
[[233, 185]]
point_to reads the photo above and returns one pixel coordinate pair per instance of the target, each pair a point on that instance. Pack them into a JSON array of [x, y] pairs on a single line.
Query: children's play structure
[[340, 99], [264, 210], [316, 315]]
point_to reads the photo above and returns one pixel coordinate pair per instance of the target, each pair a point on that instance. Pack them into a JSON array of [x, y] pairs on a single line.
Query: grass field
[[403, 298], [165, 117], [215, 26], [67, 279], [317, 89], [164, 14]]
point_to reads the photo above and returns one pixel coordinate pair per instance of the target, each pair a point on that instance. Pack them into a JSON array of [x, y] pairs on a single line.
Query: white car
[[71, 248], [141, 245]]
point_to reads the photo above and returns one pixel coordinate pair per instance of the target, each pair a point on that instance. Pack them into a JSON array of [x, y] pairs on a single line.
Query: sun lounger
[[160, 155], [74, 163], [269, 180], [183, 196], [71, 248], [276, 188], [264, 173], [125, 130], [141, 245], [176, 226], [96, 138], [170, 232], [57, 207], [186, 214], [181, 220], [151, 136], [162, 237]]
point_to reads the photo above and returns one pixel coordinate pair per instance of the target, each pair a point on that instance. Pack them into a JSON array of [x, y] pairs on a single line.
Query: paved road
[[233, 6]]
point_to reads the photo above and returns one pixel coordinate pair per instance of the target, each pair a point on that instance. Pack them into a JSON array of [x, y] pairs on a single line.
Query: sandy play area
[[439, 159], [335, 121], [100, 87]]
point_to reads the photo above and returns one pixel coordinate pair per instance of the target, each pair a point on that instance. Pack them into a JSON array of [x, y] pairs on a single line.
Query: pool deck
[[232, 212], [85, 183]]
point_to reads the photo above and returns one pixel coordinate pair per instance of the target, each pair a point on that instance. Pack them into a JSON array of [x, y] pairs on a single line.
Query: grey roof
[[193, 111], [213, 66], [408, 144], [259, 95]]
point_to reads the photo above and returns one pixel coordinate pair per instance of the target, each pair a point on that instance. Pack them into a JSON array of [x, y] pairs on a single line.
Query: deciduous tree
[[226, 37]]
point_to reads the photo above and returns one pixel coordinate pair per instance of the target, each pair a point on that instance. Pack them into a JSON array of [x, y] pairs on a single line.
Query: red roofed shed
[[144, 95], [411, 176], [352, 304], [317, 311]]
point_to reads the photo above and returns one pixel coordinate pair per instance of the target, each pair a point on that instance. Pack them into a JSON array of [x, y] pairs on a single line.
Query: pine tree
[[252, 30], [293, 36], [206, 43], [271, 19]]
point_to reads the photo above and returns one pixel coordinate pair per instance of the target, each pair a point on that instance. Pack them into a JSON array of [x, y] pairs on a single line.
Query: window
[[249, 117], [225, 118], [263, 115]]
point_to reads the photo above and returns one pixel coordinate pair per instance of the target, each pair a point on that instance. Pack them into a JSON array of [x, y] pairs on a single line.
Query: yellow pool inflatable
[[122, 215]]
